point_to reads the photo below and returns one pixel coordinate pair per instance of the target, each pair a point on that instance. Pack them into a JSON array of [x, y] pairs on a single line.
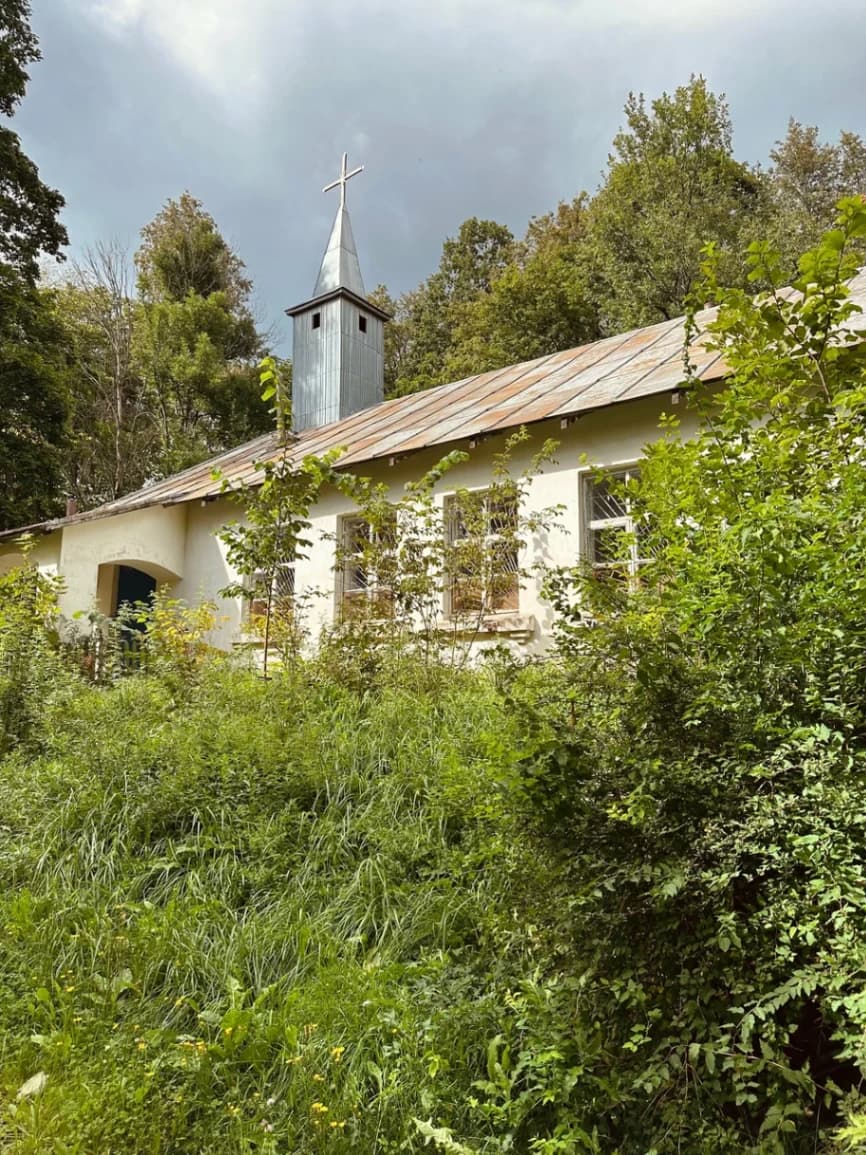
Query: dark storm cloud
[[460, 108]]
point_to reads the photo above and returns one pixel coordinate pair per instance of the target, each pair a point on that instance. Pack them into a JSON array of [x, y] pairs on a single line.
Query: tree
[[626, 257], [273, 534], [471, 261], [33, 404], [428, 316], [672, 184], [807, 179], [540, 303], [28, 208], [112, 439], [195, 346], [32, 393], [398, 335], [183, 252]]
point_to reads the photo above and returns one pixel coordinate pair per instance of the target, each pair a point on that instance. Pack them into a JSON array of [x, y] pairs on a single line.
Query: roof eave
[[339, 292], [39, 527]]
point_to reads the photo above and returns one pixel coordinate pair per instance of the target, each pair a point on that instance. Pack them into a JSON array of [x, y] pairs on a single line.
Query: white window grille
[[281, 585], [366, 566], [613, 538], [484, 575]]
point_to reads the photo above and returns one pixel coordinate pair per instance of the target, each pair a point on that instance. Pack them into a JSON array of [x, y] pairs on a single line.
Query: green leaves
[[271, 376], [706, 792], [33, 395]]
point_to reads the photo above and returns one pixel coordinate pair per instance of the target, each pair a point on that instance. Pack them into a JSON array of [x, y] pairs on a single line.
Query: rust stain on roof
[[625, 367]]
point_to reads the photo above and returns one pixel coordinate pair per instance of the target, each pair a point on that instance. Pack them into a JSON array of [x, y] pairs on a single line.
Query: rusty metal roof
[[641, 363]]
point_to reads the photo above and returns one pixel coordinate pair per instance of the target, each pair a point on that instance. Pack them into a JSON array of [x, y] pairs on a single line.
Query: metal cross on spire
[[342, 179]]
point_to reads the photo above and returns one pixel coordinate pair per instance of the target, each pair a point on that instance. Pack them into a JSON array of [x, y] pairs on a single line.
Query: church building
[[601, 402]]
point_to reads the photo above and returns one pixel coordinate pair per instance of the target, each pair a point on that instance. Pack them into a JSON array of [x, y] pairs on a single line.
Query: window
[[484, 577], [367, 557], [362, 323], [609, 520], [317, 320], [282, 589]]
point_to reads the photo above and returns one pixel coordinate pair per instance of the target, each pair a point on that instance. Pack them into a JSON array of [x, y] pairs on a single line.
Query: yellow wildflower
[[319, 1109], [337, 1053]]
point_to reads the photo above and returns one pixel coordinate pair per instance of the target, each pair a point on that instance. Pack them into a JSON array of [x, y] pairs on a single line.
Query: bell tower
[[338, 335]]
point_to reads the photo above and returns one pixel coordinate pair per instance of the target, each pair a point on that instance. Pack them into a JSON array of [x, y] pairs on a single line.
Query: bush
[[29, 669], [708, 796]]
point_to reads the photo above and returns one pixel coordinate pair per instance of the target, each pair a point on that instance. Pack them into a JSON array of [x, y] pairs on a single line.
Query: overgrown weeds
[[606, 904], [277, 916]]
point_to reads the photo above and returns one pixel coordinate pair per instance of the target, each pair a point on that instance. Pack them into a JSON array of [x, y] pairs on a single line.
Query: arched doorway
[[127, 582], [133, 585], [123, 586]]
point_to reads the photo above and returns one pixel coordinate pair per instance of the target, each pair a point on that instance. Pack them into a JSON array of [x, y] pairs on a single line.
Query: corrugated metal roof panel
[[624, 367]]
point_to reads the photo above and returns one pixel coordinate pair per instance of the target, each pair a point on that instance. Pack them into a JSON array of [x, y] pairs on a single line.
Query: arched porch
[[129, 580]]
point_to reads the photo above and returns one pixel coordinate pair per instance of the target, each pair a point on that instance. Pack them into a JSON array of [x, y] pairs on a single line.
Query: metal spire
[[343, 179], [340, 266]]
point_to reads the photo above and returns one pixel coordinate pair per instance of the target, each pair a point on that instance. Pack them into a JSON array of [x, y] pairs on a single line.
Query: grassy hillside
[[273, 917]]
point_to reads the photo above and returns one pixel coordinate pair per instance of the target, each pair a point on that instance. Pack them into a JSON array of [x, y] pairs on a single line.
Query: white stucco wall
[[178, 543], [606, 438], [45, 553], [153, 540], [206, 570]]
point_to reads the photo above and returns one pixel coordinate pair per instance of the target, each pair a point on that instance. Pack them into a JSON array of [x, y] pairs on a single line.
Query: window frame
[[628, 567], [287, 567], [373, 590], [486, 607]]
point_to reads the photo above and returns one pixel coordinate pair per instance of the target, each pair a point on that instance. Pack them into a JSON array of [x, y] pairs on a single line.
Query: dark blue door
[[133, 585]]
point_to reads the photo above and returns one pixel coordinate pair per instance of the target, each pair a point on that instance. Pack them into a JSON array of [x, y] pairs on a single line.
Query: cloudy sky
[[491, 108]]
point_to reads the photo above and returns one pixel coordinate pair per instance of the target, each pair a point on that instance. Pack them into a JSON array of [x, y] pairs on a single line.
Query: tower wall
[[338, 367], [316, 366], [362, 370], [339, 336]]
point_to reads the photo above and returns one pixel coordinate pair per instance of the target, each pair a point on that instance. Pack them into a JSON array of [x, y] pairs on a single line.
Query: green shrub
[[707, 796], [29, 668]]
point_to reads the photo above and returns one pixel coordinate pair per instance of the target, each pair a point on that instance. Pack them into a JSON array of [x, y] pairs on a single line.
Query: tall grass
[[278, 917]]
